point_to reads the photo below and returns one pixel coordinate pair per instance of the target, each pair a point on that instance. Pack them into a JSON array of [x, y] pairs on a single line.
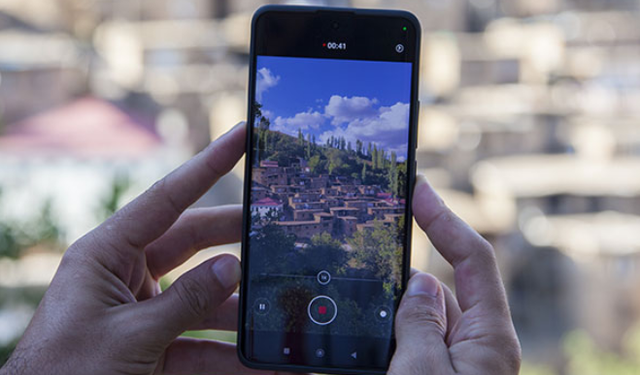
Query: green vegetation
[[113, 201], [373, 165], [275, 245], [584, 357], [326, 251], [15, 237], [23, 296], [380, 252], [374, 253]]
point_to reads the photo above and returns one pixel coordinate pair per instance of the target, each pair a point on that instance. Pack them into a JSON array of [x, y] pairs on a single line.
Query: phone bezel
[[413, 134]]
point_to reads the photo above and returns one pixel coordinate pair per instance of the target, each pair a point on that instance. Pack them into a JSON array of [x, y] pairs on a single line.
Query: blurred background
[[529, 128]]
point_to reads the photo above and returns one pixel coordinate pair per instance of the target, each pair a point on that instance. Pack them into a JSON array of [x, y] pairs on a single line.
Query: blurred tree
[[45, 229], [528, 368], [584, 357], [109, 205], [9, 246], [41, 230]]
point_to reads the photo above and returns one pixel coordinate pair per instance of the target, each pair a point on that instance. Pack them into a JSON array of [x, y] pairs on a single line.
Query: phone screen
[[331, 159]]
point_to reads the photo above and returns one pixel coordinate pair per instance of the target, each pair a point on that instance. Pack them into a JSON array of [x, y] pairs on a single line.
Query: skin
[[104, 314]]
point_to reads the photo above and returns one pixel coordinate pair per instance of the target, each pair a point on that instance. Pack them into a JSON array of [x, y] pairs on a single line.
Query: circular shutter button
[[322, 310]]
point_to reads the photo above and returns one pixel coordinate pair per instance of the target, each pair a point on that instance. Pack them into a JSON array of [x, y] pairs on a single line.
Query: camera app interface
[[328, 199]]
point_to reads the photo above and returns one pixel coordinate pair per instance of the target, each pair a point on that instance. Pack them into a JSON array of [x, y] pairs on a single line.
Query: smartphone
[[330, 168]]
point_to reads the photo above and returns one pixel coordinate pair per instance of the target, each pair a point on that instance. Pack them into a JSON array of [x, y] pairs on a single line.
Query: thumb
[[193, 296], [421, 325]]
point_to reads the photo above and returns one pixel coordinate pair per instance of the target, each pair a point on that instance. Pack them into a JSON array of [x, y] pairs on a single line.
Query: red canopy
[[85, 128]]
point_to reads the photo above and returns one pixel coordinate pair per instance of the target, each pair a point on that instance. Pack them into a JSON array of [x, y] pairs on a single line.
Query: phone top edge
[[355, 11]]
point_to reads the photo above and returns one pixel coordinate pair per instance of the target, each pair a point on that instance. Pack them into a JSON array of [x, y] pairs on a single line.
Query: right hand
[[471, 333]]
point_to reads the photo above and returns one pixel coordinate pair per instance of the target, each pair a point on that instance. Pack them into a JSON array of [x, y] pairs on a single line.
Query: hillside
[[337, 157]]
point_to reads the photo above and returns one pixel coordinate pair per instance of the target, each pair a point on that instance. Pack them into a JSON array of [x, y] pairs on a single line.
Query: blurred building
[[529, 129]]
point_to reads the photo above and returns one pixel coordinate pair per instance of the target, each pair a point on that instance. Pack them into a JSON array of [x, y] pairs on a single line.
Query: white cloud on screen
[[264, 81], [302, 120], [343, 109], [385, 126], [354, 118]]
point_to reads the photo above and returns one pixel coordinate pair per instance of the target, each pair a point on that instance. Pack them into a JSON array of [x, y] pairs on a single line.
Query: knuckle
[[483, 249], [507, 354], [162, 190], [513, 355], [193, 296]]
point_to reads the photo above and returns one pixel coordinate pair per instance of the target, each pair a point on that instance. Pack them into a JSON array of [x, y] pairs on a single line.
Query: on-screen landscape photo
[[329, 187]]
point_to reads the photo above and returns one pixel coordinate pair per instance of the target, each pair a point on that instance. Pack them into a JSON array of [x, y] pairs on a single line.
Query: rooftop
[[267, 202], [85, 128]]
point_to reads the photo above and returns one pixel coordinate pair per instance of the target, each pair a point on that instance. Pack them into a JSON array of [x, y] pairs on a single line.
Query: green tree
[[363, 174], [381, 158], [314, 164], [585, 357], [402, 180], [392, 174], [112, 203], [359, 147], [10, 246], [326, 251], [308, 146], [300, 137], [374, 158], [335, 160], [379, 251], [274, 247], [263, 124]]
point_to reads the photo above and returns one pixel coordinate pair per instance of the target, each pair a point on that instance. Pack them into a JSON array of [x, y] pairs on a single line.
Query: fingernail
[[423, 284], [420, 179], [227, 271]]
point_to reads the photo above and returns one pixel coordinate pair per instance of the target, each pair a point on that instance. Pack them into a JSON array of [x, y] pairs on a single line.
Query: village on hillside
[[308, 204]]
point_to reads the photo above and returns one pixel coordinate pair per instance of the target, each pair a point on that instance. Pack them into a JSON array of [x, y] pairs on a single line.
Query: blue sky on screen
[[366, 100]]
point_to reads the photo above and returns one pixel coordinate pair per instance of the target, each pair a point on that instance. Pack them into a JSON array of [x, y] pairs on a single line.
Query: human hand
[[103, 312], [471, 333]]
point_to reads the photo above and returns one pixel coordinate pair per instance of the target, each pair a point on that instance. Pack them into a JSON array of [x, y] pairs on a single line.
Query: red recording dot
[[324, 44]]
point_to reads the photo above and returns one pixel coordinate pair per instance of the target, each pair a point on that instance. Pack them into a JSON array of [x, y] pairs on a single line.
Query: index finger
[[152, 213], [477, 278]]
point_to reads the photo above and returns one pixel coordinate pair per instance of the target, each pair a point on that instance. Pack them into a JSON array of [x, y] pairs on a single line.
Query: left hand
[[103, 312]]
